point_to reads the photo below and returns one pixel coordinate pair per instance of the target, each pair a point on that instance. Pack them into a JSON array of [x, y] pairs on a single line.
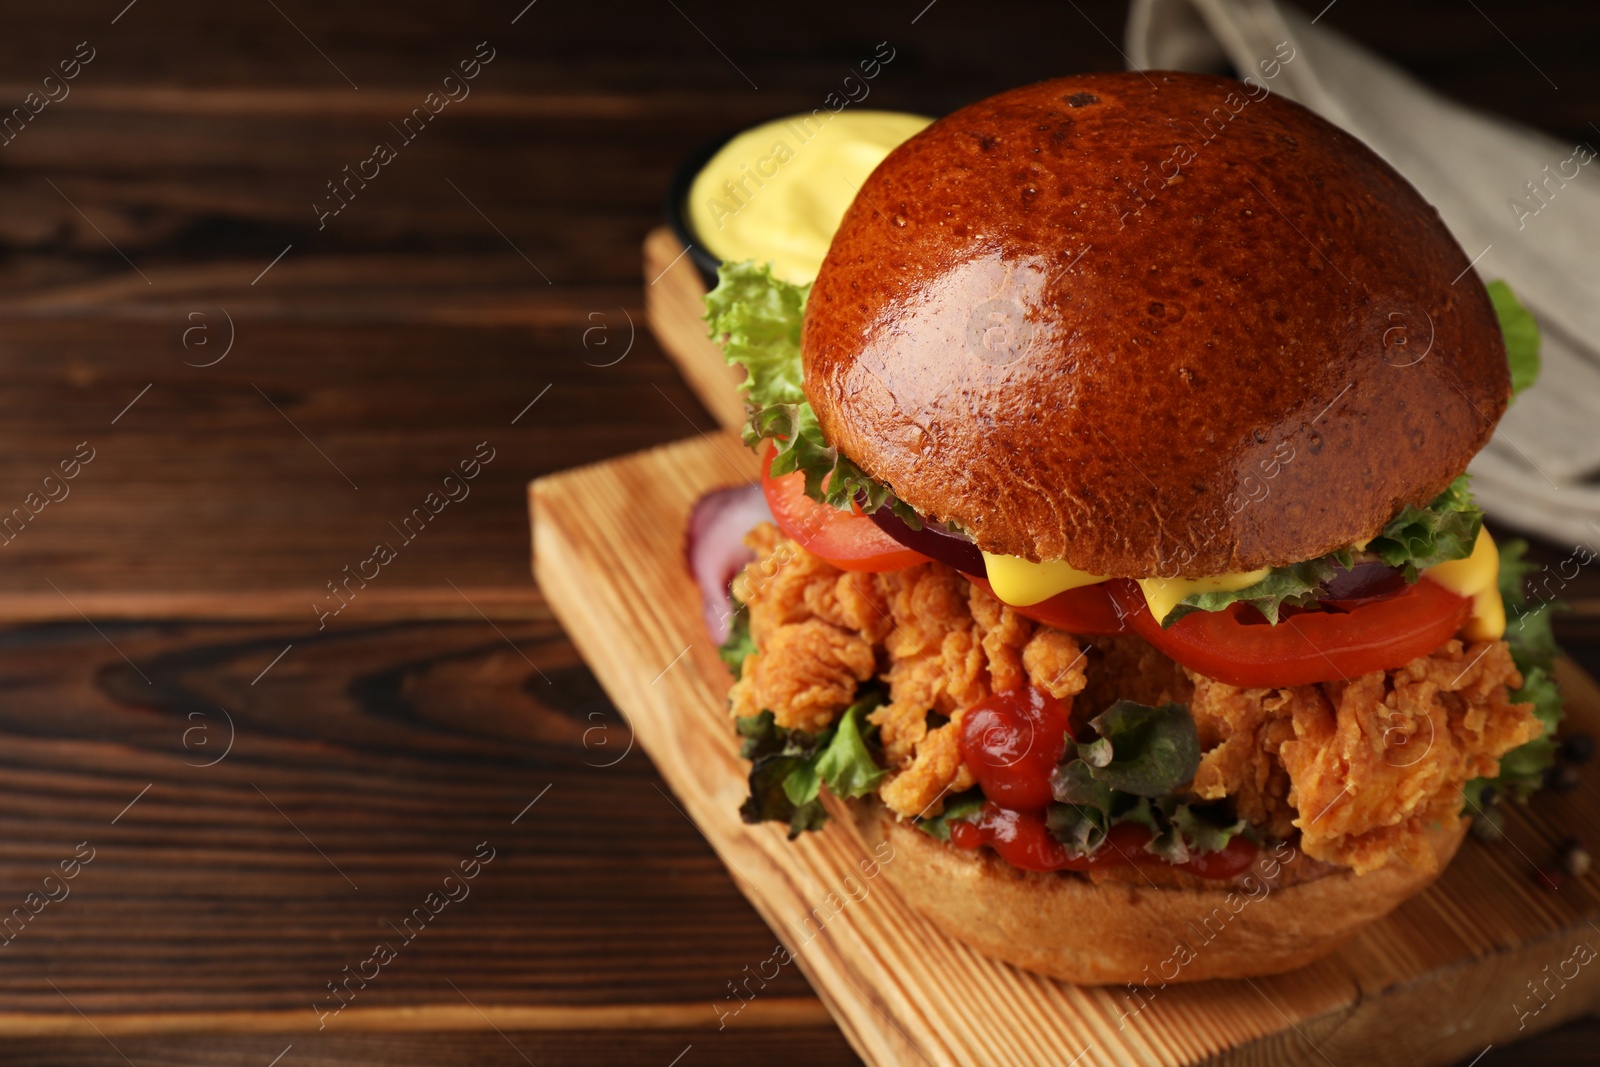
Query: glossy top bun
[[1151, 324]]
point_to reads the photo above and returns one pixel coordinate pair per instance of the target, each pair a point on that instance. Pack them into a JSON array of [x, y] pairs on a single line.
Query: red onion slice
[[716, 550], [1363, 582], [947, 548]]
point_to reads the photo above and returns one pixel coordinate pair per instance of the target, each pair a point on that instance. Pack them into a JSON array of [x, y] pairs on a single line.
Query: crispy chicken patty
[[1360, 768]]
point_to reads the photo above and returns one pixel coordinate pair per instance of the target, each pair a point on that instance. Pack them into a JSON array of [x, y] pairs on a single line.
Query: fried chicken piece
[[994, 650], [926, 602], [1400, 751], [936, 661], [773, 585], [1055, 663], [937, 772], [953, 644], [1125, 667], [805, 674], [816, 628], [786, 584], [1371, 763], [855, 601], [937, 664], [944, 682], [1003, 633], [1241, 733]]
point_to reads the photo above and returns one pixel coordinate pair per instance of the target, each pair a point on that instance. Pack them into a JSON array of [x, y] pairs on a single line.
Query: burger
[[1122, 573]]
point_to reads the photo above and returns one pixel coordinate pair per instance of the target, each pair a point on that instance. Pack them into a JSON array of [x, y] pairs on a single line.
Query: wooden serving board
[[1438, 981]]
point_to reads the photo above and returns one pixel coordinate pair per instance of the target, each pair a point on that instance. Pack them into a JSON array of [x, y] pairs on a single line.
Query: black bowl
[[677, 203]]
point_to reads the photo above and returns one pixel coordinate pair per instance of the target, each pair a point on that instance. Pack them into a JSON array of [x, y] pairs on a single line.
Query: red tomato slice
[[847, 540], [1239, 647], [1088, 609]]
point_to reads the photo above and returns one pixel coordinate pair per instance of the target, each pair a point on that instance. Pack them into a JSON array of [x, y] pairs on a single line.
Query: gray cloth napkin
[[1476, 169]]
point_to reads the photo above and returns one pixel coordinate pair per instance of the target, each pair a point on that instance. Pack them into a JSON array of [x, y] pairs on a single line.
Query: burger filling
[[921, 688], [1068, 721]]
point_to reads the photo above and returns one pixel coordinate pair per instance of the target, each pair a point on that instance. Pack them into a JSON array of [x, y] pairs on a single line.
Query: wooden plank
[[243, 489], [674, 298], [1570, 1048], [217, 901], [570, 50], [509, 1048], [1429, 984], [450, 1016]]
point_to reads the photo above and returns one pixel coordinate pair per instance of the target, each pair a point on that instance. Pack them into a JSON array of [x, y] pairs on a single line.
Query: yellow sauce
[[776, 193], [1021, 583], [1164, 594], [1478, 578]]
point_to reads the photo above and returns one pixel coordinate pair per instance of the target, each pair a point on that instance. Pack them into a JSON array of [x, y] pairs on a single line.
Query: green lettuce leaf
[[846, 765], [770, 799], [1130, 773], [1522, 769], [756, 318], [1521, 332], [1445, 529], [762, 736], [1528, 631], [1415, 539], [1296, 584], [801, 784], [1180, 829], [1140, 750], [790, 767], [1083, 827], [1534, 650], [776, 754], [959, 807], [1192, 829], [1206, 827]]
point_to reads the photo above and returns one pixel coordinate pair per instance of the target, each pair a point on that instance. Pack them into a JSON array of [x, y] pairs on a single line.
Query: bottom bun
[[1283, 913]]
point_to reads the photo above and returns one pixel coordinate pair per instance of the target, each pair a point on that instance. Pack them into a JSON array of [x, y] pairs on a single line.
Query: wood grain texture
[[365, 763], [509, 1048], [1426, 985], [675, 302], [411, 325], [258, 480]]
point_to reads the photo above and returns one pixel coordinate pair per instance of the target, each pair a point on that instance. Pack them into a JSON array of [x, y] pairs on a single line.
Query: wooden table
[[267, 788]]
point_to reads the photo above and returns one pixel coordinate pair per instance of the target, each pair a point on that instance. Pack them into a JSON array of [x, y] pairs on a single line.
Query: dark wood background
[[495, 262]]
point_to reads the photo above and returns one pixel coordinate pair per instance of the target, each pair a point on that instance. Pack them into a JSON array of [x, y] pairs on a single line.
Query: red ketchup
[[1011, 742]]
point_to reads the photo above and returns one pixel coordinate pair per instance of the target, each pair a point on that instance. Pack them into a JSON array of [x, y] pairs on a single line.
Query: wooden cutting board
[[1441, 979]]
